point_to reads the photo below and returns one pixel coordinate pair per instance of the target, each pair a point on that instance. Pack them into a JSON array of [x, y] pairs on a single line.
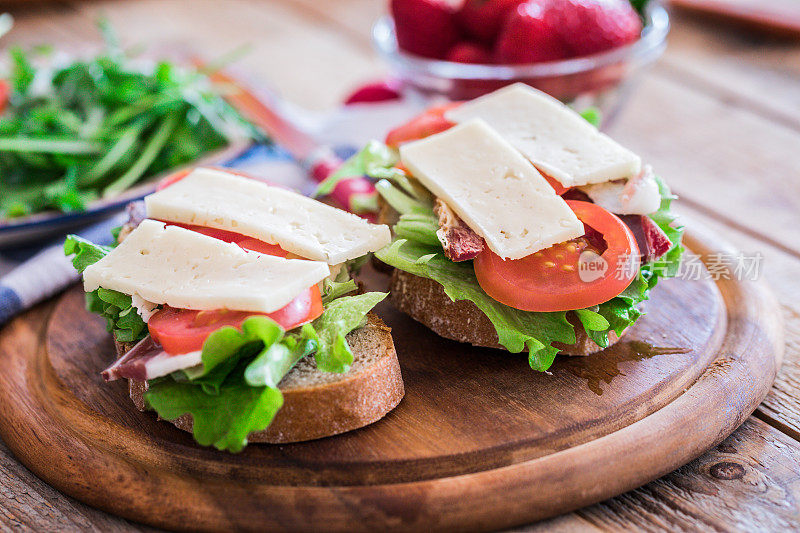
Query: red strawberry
[[424, 27], [467, 52], [528, 36], [378, 91], [592, 26], [483, 19]]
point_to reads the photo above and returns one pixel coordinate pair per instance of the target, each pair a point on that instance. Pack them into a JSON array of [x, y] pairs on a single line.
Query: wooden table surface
[[718, 117]]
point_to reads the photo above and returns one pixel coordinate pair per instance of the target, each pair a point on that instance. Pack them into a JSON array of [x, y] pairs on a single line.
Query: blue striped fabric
[[10, 304]]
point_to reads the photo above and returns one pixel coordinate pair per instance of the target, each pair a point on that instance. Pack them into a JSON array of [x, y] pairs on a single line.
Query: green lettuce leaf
[[332, 290], [234, 392], [401, 200], [375, 160], [85, 252], [623, 311], [272, 364], [341, 316], [228, 341], [517, 330], [122, 319], [223, 420], [593, 116], [669, 263], [342, 284], [417, 250]]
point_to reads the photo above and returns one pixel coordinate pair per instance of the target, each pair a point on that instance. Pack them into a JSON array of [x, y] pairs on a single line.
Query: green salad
[[72, 132]]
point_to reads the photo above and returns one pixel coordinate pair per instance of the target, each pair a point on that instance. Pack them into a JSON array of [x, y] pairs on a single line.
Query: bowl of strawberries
[[583, 52]]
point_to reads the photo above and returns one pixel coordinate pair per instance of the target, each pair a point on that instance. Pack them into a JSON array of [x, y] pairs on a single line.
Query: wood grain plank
[[747, 483], [27, 503], [43, 23], [781, 408], [756, 71], [305, 60], [718, 155]]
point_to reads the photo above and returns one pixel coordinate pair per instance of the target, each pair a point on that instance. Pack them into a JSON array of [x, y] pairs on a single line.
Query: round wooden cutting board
[[480, 441]]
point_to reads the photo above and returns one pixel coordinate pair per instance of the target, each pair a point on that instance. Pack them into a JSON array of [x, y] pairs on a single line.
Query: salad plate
[[41, 226]]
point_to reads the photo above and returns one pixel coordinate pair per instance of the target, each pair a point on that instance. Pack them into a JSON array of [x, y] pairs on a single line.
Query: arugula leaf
[[375, 160], [223, 420], [22, 72], [102, 123], [341, 316]]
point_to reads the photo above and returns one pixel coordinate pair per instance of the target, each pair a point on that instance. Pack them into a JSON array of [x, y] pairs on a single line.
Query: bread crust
[[426, 302], [343, 403]]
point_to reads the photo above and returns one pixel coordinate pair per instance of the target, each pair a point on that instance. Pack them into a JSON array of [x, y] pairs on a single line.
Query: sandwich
[[519, 225], [235, 315]]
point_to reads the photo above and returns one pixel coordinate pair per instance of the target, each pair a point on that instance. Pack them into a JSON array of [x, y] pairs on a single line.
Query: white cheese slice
[[143, 308], [300, 225], [495, 190], [182, 268], [556, 139]]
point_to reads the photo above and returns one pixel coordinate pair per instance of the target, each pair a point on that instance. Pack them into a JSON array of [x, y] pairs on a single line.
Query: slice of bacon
[[147, 360], [136, 213], [653, 242], [144, 349], [460, 243]]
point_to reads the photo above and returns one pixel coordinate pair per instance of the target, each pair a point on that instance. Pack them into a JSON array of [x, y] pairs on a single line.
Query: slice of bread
[[320, 404], [426, 302]]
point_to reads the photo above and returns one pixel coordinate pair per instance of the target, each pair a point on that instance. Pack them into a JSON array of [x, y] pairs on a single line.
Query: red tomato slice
[[221, 234], [430, 122], [5, 91], [555, 184], [248, 243], [183, 330], [256, 245], [173, 178], [558, 279], [179, 175]]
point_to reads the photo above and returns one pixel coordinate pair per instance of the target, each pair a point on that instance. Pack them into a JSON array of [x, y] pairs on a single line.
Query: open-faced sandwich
[[235, 316], [519, 225]]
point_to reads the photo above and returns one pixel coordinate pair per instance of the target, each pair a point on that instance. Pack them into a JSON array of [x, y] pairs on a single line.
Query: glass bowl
[[598, 80]]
